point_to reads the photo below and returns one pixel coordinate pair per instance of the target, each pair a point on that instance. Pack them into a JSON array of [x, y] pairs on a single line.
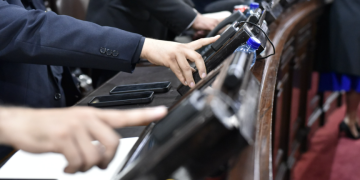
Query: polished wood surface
[[284, 84], [282, 31]]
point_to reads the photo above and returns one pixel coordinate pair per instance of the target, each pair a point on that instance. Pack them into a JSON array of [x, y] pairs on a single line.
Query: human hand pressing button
[[70, 131], [176, 55]]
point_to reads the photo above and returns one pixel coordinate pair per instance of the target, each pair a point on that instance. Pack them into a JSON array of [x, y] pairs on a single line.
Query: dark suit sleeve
[[38, 37], [174, 14]]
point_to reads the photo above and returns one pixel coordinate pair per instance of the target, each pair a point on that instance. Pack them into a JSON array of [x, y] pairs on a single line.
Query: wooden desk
[[140, 75]]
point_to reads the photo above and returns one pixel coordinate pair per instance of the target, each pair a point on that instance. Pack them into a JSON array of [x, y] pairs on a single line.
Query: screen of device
[[144, 86], [121, 97]]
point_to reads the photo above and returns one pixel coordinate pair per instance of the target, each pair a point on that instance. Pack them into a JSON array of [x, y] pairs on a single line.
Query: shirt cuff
[[137, 54], [192, 22]]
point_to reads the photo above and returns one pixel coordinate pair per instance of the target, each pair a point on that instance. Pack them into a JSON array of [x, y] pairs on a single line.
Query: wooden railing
[[282, 111]]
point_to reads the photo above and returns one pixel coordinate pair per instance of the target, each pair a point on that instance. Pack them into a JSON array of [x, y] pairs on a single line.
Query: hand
[[205, 23], [175, 56], [70, 132], [199, 34]]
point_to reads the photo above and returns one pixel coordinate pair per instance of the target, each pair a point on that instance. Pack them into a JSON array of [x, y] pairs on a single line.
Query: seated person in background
[[339, 65], [201, 4], [70, 132], [159, 19], [210, 6]]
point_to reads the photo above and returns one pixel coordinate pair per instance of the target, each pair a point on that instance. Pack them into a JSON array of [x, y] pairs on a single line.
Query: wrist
[[196, 21], [4, 117], [143, 53]]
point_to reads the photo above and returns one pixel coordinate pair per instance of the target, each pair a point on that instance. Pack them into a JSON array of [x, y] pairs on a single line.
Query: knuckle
[[169, 56], [62, 133], [181, 46], [115, 142], [173, 59], [75, 125], [198, 56], [86, 114], [112, 142], [187, 68]]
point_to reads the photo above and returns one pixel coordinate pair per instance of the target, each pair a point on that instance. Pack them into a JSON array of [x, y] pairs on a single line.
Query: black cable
[[267, 37]]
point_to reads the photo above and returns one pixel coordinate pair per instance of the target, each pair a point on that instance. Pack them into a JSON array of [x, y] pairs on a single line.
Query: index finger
[[199, 61], [135, 117], [202, 42]]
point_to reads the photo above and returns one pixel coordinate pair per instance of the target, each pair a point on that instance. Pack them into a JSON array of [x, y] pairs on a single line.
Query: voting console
[[198, 136]]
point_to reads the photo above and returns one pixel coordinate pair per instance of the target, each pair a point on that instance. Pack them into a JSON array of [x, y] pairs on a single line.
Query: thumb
[[202, 42], [136, 117]]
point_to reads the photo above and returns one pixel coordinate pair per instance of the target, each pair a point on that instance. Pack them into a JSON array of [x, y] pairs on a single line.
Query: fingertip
[[160, 110], [213, 39], [156, 113], [68, 170], [216, 37], [103, 166], [203, 75]]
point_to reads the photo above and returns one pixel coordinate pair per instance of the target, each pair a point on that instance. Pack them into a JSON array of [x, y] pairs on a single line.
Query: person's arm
[[70, 131], [178, 16], [38, 37], [175, 55]]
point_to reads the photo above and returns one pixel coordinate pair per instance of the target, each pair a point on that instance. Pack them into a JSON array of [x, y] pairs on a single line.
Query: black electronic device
[[196, 141], [201, 134], [236, 35], [272, 10], [236, 16], [206, 51], [224, 37], [122, 99], [157, 87]]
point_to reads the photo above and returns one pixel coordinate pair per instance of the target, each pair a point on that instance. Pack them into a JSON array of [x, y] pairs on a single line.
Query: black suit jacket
[[33, 42], [150, 18]]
